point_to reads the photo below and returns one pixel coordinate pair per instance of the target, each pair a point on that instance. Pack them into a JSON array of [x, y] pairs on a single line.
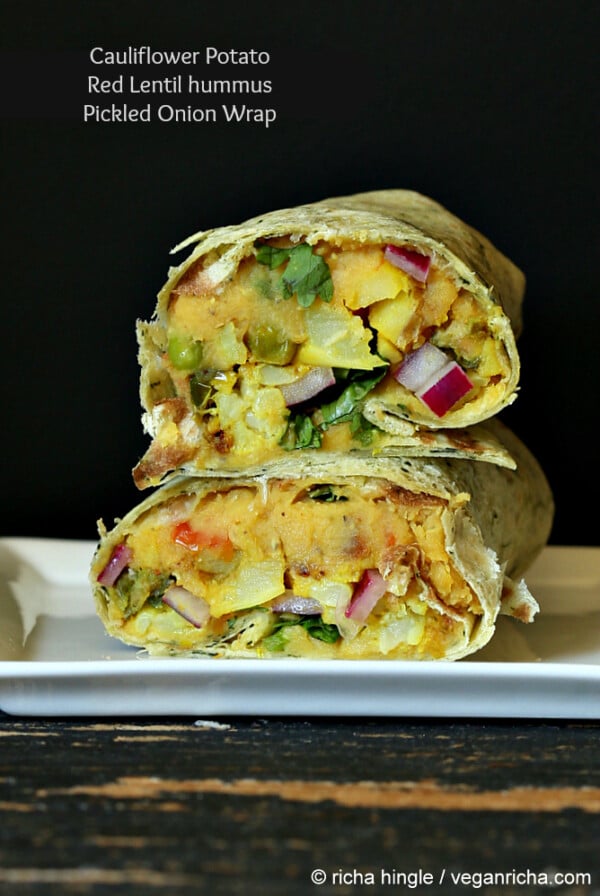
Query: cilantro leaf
[[306, 274], [271, 255]]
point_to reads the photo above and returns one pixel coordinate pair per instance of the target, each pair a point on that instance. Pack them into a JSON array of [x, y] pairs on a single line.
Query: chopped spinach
[[301, 433], [322, 631], [306, 431], [344, 407], [362, 429], [276, 641]]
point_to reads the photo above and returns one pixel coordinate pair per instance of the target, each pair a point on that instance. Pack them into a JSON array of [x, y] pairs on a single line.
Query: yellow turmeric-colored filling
[[217, 394], [242, 548]]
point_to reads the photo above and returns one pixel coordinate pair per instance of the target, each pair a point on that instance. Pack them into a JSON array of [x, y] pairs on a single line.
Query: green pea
[[184, 354], [270, 345]]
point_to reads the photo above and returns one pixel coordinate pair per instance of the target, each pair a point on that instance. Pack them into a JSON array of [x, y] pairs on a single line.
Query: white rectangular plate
[[57, 660]]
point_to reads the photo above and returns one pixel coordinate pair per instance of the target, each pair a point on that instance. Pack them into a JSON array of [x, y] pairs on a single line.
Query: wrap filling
[[289, 352], [355, 568]]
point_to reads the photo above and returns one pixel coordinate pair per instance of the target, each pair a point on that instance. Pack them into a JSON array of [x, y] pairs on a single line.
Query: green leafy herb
[[322, 631], [324, 493], [344, 408], [200, 391], [468, 363], [136, 586], [272, 256], [276, 641], [306, 274], [162, 582], [201, 386], [362, 429], [301, 433]]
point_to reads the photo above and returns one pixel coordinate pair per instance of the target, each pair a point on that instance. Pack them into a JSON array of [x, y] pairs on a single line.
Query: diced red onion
[[419, 366], [445, 388], [369, 591], [313, 382], [292, 603], [193, 608], [434, 378], [120, 558], [409, 261]]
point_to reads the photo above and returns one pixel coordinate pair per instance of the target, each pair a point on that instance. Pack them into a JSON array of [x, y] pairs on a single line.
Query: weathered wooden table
[[281, 806]]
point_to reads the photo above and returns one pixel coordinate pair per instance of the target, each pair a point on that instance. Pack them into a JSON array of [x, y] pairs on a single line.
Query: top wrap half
[[376, 323]]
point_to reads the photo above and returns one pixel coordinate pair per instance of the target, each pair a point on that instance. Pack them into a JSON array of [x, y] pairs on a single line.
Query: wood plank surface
[[255, 806]]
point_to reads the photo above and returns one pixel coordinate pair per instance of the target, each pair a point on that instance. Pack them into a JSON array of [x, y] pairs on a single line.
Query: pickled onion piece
[[369, 590], [434, 378], [418, 367], [307, 386], [409, 261], [445, 388], [120, 558], [194, 609]]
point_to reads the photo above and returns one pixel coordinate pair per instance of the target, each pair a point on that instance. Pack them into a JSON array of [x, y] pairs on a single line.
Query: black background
[[491, 108]]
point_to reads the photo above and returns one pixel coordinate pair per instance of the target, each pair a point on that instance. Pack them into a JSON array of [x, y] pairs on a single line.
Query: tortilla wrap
[[318, 556], [291, 332]]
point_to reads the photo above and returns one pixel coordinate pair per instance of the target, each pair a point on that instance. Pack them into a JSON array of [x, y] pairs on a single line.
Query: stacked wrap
[[318, 384]]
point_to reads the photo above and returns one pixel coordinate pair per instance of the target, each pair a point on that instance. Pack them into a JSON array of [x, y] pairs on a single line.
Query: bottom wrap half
[[348, 557]]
